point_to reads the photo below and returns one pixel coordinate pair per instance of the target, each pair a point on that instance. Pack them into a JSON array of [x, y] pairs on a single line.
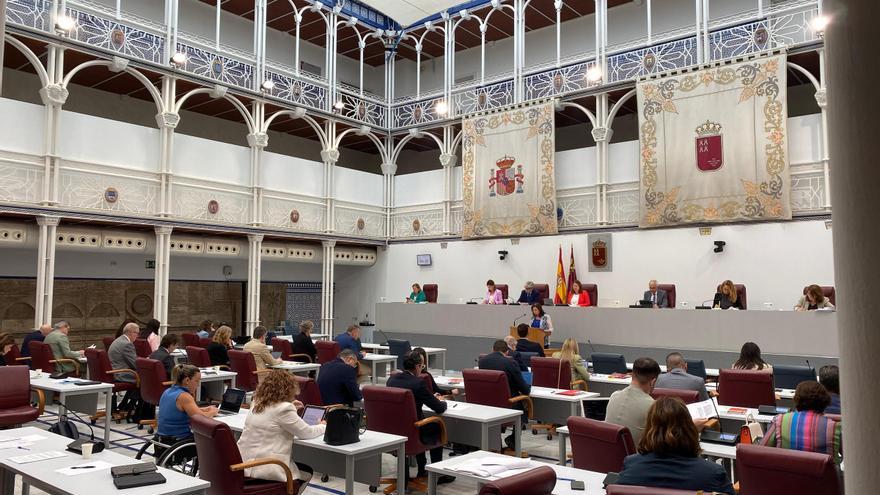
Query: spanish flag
[[561, 296]]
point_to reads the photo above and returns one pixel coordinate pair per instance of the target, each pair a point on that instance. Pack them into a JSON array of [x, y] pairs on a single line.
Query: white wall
[[21, 128], [358, 187]]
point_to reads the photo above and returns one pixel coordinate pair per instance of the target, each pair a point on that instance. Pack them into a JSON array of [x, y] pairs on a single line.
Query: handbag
[[343, 426], [751, 431]]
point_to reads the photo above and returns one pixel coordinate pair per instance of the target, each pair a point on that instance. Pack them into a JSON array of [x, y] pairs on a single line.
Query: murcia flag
[[572, 274], [561, 295]]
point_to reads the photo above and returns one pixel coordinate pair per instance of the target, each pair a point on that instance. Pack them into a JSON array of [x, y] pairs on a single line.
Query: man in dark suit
[[658, 298], [163, 353], [337, 380], [430, 433], [302, 342], [498, 360], [35, 336], [526, 345]]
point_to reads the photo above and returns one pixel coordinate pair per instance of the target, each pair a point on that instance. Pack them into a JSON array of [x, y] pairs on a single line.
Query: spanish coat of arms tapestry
[[508, 178], [714, 145]]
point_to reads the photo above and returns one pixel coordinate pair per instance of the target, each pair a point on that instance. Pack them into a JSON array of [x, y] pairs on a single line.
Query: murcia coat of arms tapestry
[[508, 178], [714, 145]]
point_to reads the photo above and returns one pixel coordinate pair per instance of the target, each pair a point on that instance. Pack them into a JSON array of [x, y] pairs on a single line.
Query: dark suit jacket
[[520, 360], [662, 298], [302, 344], [36, 336], [723, 302], [218, 353], [672, 471], [533, 298], [420, 392], [161, 354], [337, 382], [526, 345], [500, 362]]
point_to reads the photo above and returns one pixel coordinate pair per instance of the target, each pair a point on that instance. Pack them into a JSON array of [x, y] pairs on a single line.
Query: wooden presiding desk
[[778, 332]]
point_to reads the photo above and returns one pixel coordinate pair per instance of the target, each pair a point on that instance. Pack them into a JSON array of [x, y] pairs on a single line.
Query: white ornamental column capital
[[258, 140], [448, 159], [48, 220], [167, 119], [821, 98], [330, 155], [255, 237], [602, 134], [330, 243], [54, 94], [389, 168], [163, 229]]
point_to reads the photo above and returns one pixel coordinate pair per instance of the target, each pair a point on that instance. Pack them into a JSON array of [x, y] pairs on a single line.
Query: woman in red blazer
[[578, 297]]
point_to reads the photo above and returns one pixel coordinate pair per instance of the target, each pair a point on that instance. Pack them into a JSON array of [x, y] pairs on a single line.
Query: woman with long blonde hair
[[569, 352], [726, 297], [219, 346]]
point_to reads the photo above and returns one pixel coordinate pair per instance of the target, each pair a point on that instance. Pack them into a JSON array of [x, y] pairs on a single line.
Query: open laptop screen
[[232, 400], [313, 415]]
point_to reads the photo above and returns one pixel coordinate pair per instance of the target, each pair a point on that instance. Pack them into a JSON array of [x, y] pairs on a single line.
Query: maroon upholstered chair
[[327, 350], [393, 410], [101, 370], [553, 373], [688, 396], [593, 291], [827, 291], [154, 381], [286, 349], [15, 397], [670, 293], [220, 463], [490, 388], [309, 393], [644, 490], [430, 292], [245, 367], [198, 356], [772, 470], [599, 446], [543, 291], [189, 339], [538, 481], [107, 341], [142, 348], [42, 358], [745, 388], [14, 356], [204, 341], [504, 290], [741, 295]]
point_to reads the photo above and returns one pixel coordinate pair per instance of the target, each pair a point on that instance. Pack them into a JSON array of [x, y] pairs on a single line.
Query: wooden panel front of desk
[[535, 335]]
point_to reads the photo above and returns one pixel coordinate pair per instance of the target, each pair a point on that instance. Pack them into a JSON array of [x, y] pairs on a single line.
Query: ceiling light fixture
[[594, 74], [441, 108], [178, 59], [64, 23], [819, 23], [268, 85], [339, 105]]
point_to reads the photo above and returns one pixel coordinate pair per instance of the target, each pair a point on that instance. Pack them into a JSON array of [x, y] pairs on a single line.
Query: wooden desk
[[536, 335]]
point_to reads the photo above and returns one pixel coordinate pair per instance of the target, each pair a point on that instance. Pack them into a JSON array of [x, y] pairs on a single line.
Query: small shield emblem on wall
[[294, 216], [296, 90], [416, 225], [362, 110], [117, 38], [213, 207], [217, 67], [361, 224], [111, 195], [649, 61], [557, 82], [481, 99], [599, 253], [709, 147], [417, 114], [761, 36]]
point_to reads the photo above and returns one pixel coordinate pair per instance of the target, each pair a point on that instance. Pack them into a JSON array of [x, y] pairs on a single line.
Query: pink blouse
[[495, 298]]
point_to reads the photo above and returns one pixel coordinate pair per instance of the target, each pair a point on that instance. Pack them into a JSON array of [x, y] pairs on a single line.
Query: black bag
[[343, 426], [65, 428]]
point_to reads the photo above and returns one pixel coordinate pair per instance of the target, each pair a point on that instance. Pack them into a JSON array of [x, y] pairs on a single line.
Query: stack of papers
[[493, 466], [88, 467], [42, 456], [20, 442], [702, 410]]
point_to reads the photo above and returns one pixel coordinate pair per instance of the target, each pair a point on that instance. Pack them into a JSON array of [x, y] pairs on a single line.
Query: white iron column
[[167, 121], [602, 136], [327, 277], [850, 41], [329, 157], [45, 269], [162, 276], [255, 255], [821, 100], [54, 95], [258, 142], [447, 160], [519, 32], [388, 171]]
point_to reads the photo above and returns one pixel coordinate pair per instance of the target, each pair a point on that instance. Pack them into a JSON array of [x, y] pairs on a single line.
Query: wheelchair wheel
[[181, 457]]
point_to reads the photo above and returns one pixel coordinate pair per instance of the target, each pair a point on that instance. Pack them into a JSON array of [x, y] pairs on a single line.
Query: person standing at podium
[[541, 320], [658, 298], [529, 295], [493, 295], [578, 296], [526, 345]]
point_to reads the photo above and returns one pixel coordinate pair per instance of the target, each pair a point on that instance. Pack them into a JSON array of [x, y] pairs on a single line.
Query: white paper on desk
[[42, 456], [98, 466], [457, 406], [492, 466], [702, 410]]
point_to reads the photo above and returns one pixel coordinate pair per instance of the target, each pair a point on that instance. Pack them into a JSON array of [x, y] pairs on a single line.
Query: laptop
[[276, 355], [232, 400], [314, 415]]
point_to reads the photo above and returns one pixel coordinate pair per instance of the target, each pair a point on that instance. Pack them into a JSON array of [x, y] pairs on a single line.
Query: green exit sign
[[150, 264]]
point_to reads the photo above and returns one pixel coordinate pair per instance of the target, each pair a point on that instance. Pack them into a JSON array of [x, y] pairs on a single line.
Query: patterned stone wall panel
[[218, 67], [483, 98], [197, 203], [20, 183], [278, 212], [623, 207], [29, 13], [576, 210], [807, 192], [359, 223], [417, 224], [298, 92], [114, 36], [303, 302], [90, 190]]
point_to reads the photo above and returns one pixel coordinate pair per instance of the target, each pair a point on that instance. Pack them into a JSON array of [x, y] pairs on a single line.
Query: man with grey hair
[[658, 298], [512, 353], [122, 353], [337, 379], [59, 342], [529, 295], [38, 335], [677, 377]]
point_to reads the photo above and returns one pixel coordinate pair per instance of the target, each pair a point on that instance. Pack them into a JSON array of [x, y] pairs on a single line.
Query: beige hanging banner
[[714, 145]]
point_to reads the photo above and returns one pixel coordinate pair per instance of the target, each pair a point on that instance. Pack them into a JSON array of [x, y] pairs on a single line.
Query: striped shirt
[[805, 430]]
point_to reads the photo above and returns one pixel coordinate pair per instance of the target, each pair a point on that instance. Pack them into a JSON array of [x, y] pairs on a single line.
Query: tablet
[[313, 415]]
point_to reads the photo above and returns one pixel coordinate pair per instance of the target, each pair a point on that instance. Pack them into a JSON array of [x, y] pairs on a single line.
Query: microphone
[[383, 335], [592, 348], [519, 318], [714, 406], [808, 363]]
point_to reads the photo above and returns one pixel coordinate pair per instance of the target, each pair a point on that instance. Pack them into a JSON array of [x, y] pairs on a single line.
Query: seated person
[[526, 345], [569, 352], [658, 297], [499, 361], [578, 297], [150, 333], [542, 321], [829, 377], [726, 297], [167, 345], [351, 340], [813, 300], [271, 427], [262, 353], [123, 356], [6, 343], [421, 352], [750, 359], [806, 428], [58, 341], [629, 407], [37, 335], [677, 377], [417, 295], [669, 454], [303, 344], [337, 380], [430, 433], [521, 360], [178, 404], [219, 347], [493, 294], [529, 295], [205, 329]]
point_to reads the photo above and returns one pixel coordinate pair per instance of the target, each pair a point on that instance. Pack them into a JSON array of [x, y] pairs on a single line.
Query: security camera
[[719, 246], [502, 255]]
